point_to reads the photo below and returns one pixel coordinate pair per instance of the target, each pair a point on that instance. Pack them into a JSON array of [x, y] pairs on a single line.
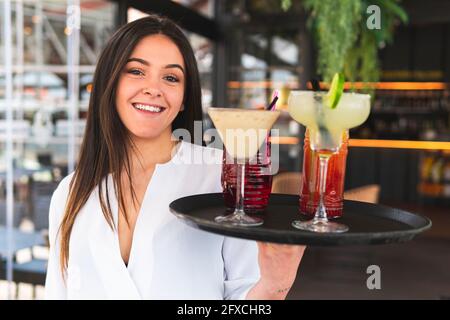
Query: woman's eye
[[171, 78], [136, 72]]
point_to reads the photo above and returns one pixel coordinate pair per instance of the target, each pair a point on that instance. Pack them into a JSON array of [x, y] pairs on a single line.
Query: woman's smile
[[148, 109]]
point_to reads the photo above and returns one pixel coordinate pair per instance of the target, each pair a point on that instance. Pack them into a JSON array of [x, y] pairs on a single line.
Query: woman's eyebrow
[[145, 62], [174, 65], [139, 60]]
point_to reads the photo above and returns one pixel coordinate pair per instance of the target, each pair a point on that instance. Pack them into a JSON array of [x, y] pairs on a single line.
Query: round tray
[[368, 223]]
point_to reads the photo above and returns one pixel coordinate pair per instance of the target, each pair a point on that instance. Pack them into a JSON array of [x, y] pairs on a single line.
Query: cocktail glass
[[258, 180], [242, 131], [326, 128], [334, 189]]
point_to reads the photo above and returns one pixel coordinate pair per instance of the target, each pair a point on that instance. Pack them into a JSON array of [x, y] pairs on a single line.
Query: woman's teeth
[[147, 107]]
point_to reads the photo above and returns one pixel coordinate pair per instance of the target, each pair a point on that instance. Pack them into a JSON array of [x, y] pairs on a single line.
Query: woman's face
[[150, 90]]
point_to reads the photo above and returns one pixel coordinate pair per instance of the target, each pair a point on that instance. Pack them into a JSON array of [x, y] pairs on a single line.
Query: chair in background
[[287, 183], [290, 183], [34, 270], [369, 193]]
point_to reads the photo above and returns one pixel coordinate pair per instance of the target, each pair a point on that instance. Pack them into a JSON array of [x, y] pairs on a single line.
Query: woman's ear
[[182, 107]]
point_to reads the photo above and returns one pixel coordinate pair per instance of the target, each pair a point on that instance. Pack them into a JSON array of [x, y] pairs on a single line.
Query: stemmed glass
[[326, 126], [243, 131]]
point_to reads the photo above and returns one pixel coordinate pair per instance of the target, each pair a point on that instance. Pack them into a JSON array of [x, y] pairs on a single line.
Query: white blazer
[[168, 259]]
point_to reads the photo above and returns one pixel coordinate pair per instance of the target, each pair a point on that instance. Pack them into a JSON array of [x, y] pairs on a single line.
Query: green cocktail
[[326, 127]]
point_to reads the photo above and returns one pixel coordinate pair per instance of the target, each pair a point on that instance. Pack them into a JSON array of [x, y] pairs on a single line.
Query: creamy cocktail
[[243, 132]]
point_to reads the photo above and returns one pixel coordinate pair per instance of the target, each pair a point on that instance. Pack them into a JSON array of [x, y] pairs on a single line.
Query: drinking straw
[[315, 84], [272, 105]]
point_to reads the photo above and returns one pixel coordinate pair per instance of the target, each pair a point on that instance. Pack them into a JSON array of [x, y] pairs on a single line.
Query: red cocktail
[[258, 181], [334, 190]]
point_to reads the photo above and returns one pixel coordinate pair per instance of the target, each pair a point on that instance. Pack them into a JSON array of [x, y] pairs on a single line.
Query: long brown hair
[[106, 143]]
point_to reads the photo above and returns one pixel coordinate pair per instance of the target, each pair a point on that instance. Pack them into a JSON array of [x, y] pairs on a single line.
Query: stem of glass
[[240, 187], [321, 212]]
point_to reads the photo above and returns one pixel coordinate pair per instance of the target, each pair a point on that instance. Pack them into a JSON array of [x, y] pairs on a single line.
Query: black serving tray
[[368, 223]]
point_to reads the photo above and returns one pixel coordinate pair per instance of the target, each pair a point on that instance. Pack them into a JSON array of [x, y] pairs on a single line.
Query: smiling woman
[[111, 233], [151, 87]]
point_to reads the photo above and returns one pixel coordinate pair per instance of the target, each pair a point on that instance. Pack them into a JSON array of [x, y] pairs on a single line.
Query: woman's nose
[[153, 92]]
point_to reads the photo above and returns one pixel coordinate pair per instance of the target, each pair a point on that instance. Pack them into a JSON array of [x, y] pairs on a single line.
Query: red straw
[[272, 105]]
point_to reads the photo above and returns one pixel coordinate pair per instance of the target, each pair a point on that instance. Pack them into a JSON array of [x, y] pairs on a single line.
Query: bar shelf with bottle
[[435, 176], [409, 113]]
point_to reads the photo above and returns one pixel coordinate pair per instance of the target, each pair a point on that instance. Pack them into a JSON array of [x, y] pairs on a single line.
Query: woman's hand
[[278, 264]]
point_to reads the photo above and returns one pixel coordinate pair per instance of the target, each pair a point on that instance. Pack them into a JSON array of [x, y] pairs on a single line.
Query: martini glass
[[242, 131], [326, 127]]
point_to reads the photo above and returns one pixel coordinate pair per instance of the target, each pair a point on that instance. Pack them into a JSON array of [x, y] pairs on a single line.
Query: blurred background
[[245, 50]]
